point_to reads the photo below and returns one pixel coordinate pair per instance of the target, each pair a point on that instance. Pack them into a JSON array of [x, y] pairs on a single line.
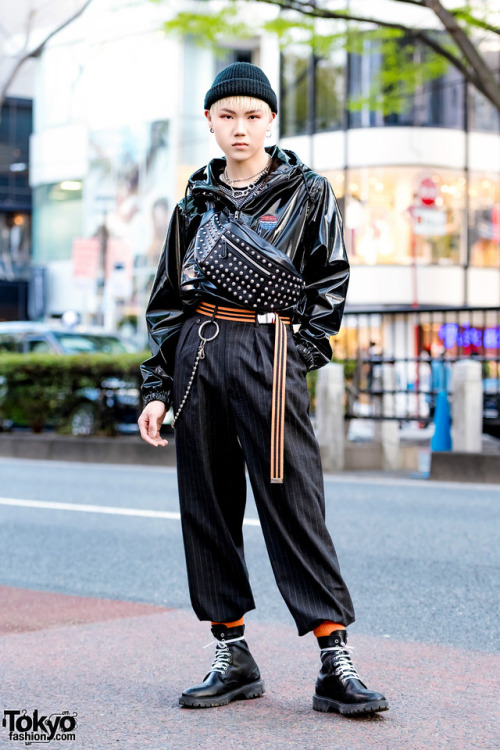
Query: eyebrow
[[248, 112]]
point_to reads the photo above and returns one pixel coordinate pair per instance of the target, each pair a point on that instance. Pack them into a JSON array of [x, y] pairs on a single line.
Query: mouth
[[240, 144]]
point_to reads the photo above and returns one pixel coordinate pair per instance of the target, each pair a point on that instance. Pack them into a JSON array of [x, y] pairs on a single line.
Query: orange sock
[[327, 628], [234, 624]]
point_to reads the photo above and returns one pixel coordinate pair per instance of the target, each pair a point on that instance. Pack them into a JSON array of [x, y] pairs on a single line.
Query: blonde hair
[[247, 103]]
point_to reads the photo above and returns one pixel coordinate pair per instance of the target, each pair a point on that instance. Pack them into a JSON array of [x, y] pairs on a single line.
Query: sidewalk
[[121, 667]]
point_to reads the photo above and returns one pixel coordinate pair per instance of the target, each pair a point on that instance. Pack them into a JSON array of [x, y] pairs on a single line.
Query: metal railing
[[397, 360]]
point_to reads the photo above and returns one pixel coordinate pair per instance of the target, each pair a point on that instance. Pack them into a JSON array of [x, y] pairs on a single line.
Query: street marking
[[107, 509]]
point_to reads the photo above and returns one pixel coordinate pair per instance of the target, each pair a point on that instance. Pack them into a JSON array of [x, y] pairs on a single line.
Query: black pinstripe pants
[[224, 425]]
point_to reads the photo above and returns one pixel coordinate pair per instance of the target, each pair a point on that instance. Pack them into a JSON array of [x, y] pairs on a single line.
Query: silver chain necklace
[[245, 191]]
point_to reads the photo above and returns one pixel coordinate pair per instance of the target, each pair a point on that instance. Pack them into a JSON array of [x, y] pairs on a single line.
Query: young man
[[236, 374]]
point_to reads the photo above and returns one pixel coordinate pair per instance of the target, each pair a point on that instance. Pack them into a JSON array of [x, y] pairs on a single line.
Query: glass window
[[38, 345], [9, 343], [437, 103], [228, 56], [74, 343], [295, 90], [330, 93], [15, 242], [400, 215], [15, 129], [57, 220], [484, 202], [363, 74], [482, 114]]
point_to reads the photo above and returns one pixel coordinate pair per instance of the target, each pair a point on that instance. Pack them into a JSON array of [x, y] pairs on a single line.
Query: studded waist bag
[[245, 268]]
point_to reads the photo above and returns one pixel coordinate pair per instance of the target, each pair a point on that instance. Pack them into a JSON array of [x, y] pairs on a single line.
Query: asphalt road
[[422, 559]]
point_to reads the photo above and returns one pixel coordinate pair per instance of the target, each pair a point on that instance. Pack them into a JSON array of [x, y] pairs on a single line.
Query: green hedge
[[40, 390]]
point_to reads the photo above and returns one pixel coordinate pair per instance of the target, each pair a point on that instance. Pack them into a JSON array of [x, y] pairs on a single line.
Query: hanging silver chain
[[245, 191], [200, 354]]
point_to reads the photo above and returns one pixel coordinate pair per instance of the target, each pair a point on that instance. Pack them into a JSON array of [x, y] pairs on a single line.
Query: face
[[240, 132]]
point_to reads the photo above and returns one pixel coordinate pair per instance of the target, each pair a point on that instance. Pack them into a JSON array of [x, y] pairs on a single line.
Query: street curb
[[120, 450], [449, 466]]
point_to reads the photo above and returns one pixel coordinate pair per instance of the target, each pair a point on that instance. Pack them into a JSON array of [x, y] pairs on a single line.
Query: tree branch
[[464, 15], [38, 50], [311, 9], [490, 87], [478, 73], [316, 12]]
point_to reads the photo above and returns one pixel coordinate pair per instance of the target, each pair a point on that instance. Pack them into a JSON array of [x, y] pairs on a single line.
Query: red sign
[[428, 191]]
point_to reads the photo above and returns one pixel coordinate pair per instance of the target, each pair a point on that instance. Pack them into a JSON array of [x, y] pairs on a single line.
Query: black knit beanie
[[242, 79]]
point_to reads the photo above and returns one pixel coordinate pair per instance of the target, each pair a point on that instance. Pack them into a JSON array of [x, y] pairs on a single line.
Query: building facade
[[119, 126]]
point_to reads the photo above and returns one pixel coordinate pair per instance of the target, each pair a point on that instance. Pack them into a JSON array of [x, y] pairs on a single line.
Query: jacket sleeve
[[326, 273], [164, 317]]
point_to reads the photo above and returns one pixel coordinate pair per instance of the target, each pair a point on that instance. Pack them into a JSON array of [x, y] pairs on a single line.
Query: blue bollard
[[441, 440]]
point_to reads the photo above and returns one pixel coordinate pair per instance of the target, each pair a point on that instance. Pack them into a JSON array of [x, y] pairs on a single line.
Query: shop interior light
[[70, 185], [379, 186], [353, 187], [18, 220]]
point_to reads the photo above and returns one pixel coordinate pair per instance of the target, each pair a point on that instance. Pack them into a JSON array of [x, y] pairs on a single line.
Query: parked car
[[114, 401], [28, 336]]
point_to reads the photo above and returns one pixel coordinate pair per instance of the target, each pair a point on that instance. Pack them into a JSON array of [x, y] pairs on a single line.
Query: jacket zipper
[[240, 252]]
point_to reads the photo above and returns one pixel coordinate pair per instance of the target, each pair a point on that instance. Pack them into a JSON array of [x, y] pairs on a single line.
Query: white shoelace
[[222, 658], [344, 667]]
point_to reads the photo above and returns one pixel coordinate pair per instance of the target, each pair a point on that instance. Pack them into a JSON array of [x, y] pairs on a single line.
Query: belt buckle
[[269, 317]]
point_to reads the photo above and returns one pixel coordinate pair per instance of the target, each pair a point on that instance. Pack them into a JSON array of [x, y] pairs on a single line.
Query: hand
[[150, 422]]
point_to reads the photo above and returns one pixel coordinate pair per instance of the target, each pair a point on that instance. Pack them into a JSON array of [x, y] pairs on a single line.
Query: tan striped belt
[[279, 374]]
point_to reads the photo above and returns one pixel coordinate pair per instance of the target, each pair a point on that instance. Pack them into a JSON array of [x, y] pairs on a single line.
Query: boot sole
[[348, 709], [254, 690]]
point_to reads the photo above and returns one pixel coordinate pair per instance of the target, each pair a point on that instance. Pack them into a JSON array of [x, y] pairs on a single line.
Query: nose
[[239, 126]]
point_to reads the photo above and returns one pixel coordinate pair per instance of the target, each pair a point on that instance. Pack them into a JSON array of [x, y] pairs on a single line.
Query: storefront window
[[404, 215], [484, 197]]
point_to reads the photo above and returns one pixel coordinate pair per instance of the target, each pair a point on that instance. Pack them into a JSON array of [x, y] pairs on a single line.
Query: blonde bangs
[[246, 103]]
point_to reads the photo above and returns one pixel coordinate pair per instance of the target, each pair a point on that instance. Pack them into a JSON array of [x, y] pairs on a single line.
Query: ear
[[208, 116]]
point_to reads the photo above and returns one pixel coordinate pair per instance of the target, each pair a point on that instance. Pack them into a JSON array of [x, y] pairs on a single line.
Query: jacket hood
[[283, 162]]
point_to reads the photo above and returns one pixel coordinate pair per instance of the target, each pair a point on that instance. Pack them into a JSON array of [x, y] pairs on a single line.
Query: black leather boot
[[338, 687], [233, 674]]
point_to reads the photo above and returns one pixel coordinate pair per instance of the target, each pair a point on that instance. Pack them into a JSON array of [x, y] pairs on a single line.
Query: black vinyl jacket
[[308, 229]]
